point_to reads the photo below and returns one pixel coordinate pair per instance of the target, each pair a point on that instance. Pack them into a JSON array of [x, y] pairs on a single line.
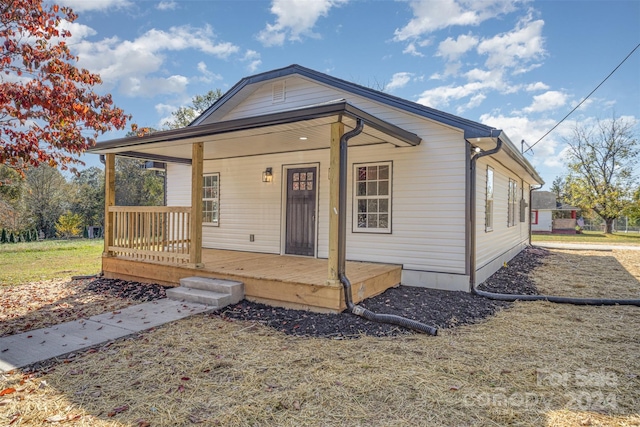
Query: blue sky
[[520, 66]]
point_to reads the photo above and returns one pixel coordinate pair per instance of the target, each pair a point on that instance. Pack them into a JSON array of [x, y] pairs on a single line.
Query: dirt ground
[[528, 363]]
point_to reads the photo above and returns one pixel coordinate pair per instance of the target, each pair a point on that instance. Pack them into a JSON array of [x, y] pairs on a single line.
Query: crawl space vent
[[278, 92]]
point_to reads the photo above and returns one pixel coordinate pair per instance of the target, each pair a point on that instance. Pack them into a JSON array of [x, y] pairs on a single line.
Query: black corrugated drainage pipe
[[342, 245], [556, 299], [515, 297]]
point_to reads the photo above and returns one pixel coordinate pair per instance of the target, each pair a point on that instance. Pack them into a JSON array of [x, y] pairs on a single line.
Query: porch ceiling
[[267, 134]]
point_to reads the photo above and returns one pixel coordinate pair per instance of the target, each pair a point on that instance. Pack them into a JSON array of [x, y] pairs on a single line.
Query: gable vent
[[278, 92]]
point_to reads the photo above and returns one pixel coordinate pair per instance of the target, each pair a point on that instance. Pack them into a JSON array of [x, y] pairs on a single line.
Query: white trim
[[488, 225], [355, 198], [283, 205], [216, 223]]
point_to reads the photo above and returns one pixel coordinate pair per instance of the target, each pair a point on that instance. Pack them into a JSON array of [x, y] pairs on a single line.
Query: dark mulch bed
[[141, 292], [442, 309]]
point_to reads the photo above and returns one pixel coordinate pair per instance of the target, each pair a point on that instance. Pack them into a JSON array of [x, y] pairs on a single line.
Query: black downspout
[[515, 297], [472, 214], [342, 249], [531, 190]]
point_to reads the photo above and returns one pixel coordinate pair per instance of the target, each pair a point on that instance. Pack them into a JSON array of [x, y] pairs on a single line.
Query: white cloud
[[411, 50], [207, 76], [295, 18], [533, 87], [452, 49], [522, 45], [129, 64], [549, 100], [254, 60], [399, 80], [100, 5], [167, 5], [134, 86], [429, 15], [479, 83]]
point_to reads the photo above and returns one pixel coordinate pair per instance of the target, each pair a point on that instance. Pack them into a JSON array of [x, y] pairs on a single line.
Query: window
[[534, 217], [512, 204], [488, 210], [211, 199], [372, 198]]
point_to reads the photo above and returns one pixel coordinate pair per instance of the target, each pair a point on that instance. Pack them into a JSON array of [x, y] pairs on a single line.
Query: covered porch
[[164, 244], [279, 280]]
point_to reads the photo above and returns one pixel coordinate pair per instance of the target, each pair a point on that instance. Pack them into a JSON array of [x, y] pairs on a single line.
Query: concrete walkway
[[20, 350], [585, 247]]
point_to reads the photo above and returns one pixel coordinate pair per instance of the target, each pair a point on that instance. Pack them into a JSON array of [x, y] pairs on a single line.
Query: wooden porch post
[[195, 232], [337, 130], [109, 200]]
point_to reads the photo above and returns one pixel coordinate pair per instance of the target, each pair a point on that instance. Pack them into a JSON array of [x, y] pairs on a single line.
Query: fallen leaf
[[55, 419], [118, 410], [454, 388], [143, 423], [7, 391], [185, 378], [296, 405], [181, 389], [4, 402], [14, 418]]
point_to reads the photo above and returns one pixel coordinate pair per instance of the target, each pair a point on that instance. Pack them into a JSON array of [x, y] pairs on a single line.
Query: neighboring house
[[441, 198], [549, 215]]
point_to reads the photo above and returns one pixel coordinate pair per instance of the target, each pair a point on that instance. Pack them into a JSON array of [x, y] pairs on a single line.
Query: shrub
[[68, 225]]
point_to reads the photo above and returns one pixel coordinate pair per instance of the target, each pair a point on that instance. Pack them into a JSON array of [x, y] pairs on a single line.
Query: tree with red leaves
[[49, 113]]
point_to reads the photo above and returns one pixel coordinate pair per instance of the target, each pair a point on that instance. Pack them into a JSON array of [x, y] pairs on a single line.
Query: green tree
[[183, 116], [559, 187], [136, 186], [12, 209], [601, 161], [46, 198], [633, 210], [88, 196], [69, 225]]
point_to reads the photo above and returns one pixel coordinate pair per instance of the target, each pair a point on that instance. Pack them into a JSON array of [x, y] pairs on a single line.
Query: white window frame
[[512, 201], [488, 209], [215, 200], [377, 184]]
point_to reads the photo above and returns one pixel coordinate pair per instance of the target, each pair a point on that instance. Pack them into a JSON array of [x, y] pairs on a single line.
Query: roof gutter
[[473, 203]]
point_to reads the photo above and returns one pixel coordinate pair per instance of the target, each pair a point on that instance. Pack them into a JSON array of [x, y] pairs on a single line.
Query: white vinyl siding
[[504, 241], [372, 197], [428, 191]]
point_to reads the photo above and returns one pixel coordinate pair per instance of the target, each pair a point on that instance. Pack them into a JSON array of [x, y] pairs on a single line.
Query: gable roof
[[211, 125], [242, 89]]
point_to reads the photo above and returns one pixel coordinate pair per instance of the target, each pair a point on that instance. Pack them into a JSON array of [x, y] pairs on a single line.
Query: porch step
[[215, 292]]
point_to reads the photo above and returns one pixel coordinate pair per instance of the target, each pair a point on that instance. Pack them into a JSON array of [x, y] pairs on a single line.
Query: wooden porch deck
[[286, 281]]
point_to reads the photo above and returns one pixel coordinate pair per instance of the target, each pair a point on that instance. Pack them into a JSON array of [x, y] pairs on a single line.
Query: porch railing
[[151, 233]]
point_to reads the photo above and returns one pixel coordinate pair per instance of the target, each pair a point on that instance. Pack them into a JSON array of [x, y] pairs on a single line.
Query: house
[[294, 180], [549, 215]]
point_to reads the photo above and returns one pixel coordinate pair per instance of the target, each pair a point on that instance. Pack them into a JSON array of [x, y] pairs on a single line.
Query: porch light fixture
[[303, 138], [267, 175]]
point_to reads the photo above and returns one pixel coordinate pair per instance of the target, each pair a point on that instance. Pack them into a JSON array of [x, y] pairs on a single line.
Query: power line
[[582, 102]]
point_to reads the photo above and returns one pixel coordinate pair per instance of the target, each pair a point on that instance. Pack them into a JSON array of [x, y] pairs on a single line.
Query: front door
[[301, 211]]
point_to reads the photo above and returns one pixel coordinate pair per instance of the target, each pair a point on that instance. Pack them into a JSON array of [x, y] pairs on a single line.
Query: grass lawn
[[50, 259], [533, 364], [590, 237]]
